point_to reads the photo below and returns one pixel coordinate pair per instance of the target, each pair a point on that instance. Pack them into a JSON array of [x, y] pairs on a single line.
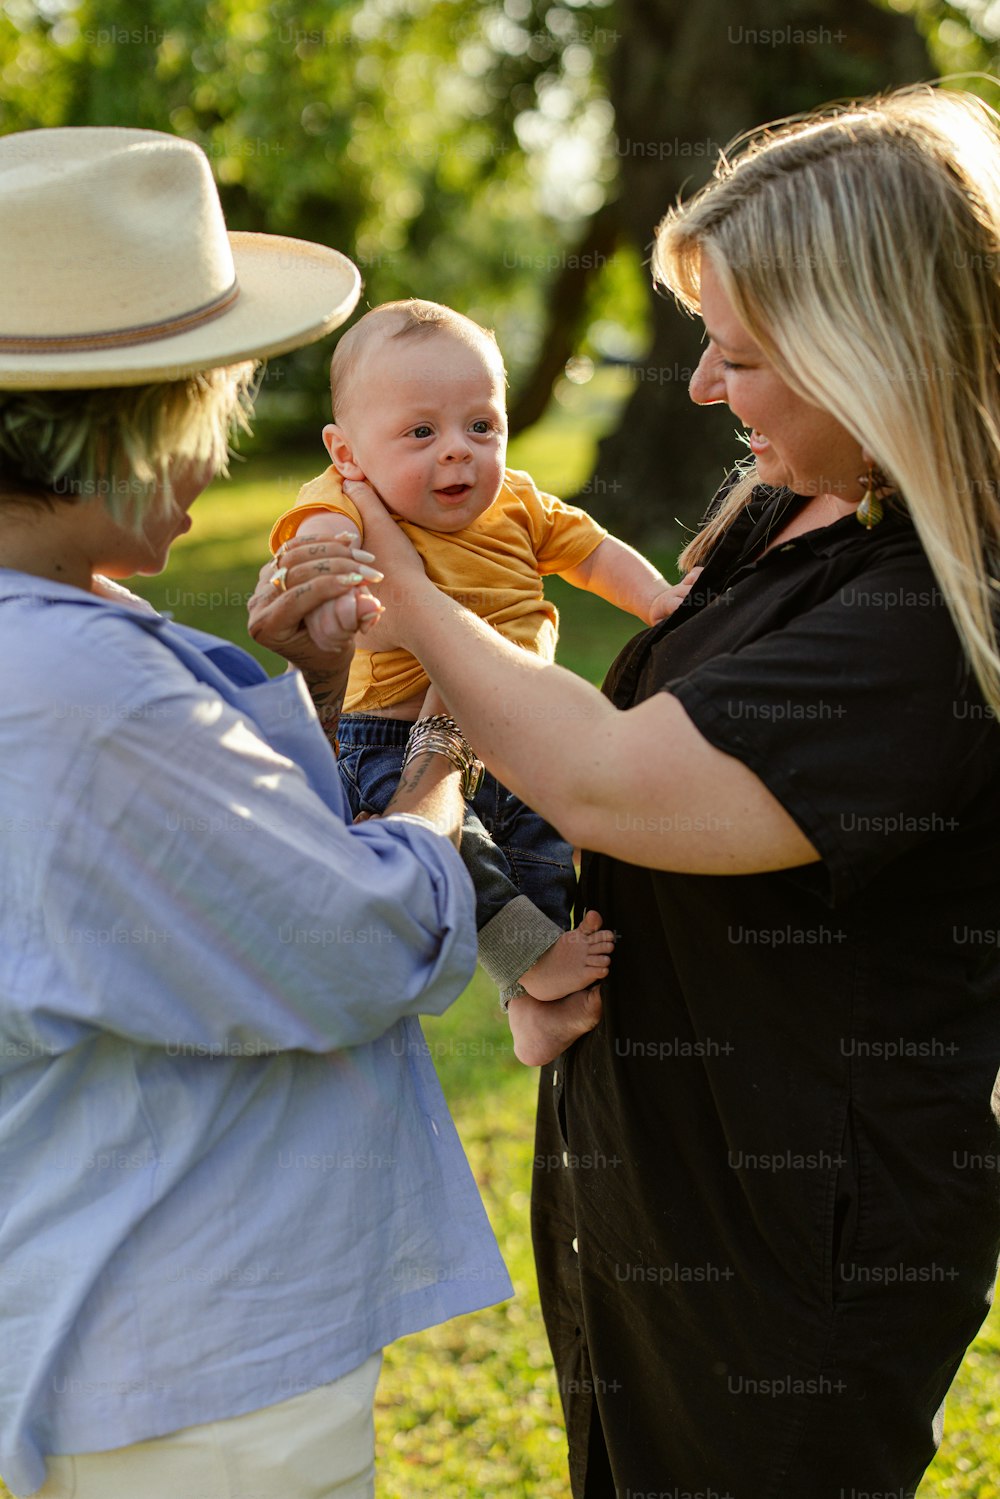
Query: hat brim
[[292, 292]]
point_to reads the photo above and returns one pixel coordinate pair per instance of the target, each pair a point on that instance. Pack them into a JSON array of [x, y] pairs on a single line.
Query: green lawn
[[469, 1410]]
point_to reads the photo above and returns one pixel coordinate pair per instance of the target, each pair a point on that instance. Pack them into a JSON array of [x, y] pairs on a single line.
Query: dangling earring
[[870, 511]]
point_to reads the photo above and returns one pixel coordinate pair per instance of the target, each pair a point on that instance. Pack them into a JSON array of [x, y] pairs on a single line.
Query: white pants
[[320, 1445]]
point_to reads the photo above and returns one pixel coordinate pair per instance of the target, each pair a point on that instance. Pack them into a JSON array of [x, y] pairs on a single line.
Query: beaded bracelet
[[439, 734]]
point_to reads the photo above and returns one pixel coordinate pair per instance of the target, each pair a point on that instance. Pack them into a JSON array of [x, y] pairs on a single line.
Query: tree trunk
[[685, 79], [564, 311]]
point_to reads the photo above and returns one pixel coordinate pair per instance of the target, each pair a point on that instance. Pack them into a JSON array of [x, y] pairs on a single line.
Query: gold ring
[[278, 581]]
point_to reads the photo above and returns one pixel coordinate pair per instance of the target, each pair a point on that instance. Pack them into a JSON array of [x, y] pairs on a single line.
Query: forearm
[[328, 688], [642, 785], [430, 787], [622, 576], [291, 907], [533, 723]]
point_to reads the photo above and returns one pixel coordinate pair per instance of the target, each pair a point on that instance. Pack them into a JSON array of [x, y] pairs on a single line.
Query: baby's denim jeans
[[509, 850]]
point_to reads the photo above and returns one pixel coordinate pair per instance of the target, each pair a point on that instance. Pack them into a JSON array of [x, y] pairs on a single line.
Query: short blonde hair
[[409, 318], [861, 250], [120, 442]]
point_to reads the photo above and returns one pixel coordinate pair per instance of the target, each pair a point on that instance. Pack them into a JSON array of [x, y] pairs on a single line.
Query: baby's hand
[[331, 626], [665, 603]]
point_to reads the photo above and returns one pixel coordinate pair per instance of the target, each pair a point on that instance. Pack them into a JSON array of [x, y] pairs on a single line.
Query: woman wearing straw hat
[[766, 1207], [228, 1172]]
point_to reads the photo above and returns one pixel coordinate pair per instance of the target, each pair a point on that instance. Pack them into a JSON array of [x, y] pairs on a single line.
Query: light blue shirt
[[227, 1171]]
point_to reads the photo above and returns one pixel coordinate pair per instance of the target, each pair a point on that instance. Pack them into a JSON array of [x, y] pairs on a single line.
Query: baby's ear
[[341, 453]]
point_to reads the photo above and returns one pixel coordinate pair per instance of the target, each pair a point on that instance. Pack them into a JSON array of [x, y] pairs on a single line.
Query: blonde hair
[[409, 318], [119, 443], [861, 250]]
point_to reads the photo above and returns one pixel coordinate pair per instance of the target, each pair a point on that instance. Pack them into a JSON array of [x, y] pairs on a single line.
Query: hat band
[[141, 333]]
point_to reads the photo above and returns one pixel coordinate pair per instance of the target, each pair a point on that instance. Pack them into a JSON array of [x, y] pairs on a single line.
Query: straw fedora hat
[[116, 267]]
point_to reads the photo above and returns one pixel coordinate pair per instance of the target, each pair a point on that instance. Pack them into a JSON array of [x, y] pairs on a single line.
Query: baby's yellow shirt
[[494, 567]]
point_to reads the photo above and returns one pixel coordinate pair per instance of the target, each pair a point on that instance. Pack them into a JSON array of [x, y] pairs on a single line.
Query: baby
[[420, 413]]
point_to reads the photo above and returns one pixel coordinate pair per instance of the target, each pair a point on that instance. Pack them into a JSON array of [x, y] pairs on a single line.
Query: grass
[[470, 1408]]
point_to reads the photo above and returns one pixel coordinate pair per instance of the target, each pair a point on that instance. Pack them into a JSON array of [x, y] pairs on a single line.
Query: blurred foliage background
[[510, 157]]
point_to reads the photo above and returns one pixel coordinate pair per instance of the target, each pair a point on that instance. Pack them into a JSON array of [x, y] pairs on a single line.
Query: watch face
[[472, 779]]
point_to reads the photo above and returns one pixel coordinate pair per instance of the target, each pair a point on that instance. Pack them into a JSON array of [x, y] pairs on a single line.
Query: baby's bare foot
[[541, 1032], [575, 960]]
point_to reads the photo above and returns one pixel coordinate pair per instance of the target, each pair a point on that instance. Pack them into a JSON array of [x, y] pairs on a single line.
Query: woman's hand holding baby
[[406, 580], [333, 624], [309, 604], [308, 576]]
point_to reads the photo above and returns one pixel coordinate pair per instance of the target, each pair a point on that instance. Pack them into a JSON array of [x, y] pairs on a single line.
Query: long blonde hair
[[861, 250]]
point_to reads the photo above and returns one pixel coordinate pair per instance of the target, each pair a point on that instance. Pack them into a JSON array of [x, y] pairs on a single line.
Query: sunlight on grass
[[471, 1407]]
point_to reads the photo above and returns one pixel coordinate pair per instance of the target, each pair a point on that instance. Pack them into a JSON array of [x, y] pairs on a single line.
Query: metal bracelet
[[439, 734]]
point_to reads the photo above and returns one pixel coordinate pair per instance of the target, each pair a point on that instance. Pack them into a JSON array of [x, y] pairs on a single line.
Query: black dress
[[766, 1202]]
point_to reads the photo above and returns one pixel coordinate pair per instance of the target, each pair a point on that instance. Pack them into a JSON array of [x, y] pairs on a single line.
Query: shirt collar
[[768, 509], [14, 584]]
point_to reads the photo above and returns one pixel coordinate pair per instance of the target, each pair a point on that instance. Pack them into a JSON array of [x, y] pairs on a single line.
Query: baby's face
[[426, 421]]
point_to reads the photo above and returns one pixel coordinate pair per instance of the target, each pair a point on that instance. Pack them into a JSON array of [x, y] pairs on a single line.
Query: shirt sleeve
[[860, 716], [200, 894], [562, 535], [326, 493]]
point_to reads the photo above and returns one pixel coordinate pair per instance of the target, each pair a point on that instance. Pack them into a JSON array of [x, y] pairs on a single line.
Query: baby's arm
[[621, 575], [328, 525]]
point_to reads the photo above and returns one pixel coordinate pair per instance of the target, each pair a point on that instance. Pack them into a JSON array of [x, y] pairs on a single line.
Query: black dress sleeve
[[860, 715]]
